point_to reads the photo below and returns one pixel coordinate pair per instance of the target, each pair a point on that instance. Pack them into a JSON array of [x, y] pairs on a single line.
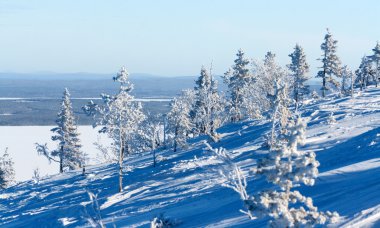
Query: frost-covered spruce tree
[[364, 73], [280, 113], [265, 75], [7, 172], [119, 117], [347, 81], [152, 132], [236, 78], [331, 64], [267, 79], [179, 122], [68, 154], [299, 69], [3, 182], [287, 167], [375, 58], [274, 73], [207, 106], [150, 136]]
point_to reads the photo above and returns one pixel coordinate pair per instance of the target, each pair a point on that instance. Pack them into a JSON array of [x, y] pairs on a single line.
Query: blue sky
[[176, 37]]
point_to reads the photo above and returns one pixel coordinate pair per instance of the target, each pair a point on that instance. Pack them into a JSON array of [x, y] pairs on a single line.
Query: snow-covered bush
[[331, 119], [163, 222], [233, 178], [315, 95], [36, 176], [93, 216]]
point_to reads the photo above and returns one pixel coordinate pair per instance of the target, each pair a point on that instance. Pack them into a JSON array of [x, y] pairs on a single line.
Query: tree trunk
[[121, 158], [154, 149], [377, 72], [61, 161], [352, 85], [175, 139], [165, 130], [324, 86]]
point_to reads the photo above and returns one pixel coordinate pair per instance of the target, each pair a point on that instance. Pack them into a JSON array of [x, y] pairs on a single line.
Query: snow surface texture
[[186, 187]]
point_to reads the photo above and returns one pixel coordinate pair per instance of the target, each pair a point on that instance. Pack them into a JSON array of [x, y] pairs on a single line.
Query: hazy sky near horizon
[[174, 38]]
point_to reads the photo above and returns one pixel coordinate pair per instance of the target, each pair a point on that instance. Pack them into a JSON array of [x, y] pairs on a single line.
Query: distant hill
[[90, 85]]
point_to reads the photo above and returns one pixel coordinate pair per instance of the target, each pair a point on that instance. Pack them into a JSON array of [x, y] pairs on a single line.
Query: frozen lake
[[21, 141]]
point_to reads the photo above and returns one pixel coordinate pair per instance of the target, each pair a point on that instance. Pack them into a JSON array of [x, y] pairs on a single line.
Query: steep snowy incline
[[185, 186]]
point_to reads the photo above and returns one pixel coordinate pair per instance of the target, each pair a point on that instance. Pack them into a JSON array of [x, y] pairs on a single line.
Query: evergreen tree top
[[122, 76], [241, 62], [204, 80], [376, 53], [269, 58], [298, 61]]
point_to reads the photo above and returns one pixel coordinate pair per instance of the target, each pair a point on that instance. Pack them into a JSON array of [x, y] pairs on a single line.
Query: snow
[[21, 140], [67, 221], [185, 185]]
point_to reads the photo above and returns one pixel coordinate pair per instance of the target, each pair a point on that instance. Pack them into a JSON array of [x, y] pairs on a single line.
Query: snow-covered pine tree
[[3, 181], [375, 58], [236, 79], [299, 69], [287, 167], [347, 81], [273, 72], [273, 77], [150, 136], [207, 107], [179, 122], [68, 154], [7, 172], [364, 73], [331, 64], [280, 113], [152, 131], [258, 94], [120, 118]]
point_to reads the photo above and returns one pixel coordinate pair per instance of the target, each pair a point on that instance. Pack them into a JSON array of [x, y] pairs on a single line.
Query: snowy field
[[185, 186], [21, 140]]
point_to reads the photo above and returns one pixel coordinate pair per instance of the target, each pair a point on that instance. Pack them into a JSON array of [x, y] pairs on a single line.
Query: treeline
[[252, 89]]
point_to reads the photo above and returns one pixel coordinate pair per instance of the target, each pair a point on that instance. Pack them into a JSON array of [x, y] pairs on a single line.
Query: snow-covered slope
[[185, 186]]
